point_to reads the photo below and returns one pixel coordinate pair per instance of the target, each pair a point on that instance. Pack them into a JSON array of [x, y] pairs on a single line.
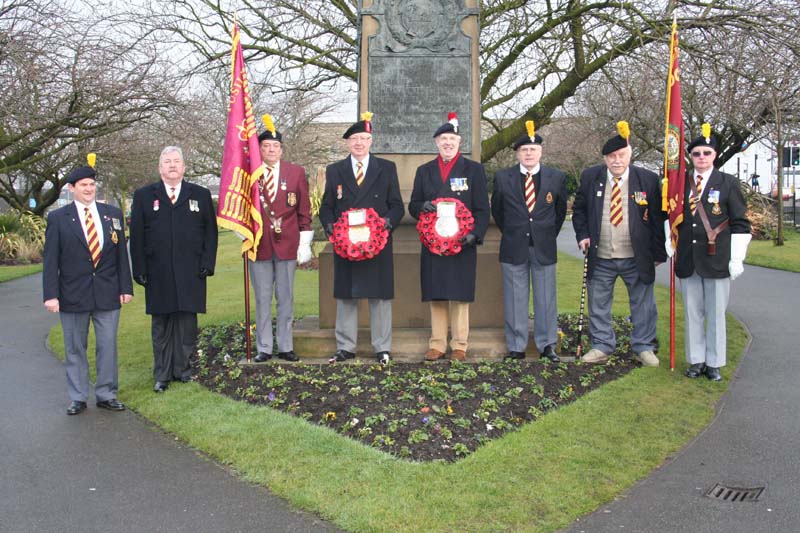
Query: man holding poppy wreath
[[362, 181], [448, 281]]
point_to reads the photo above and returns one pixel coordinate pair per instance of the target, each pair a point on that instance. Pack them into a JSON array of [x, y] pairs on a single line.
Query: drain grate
[[734, 494]]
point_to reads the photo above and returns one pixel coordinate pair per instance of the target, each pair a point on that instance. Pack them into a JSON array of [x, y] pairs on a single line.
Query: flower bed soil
[[420, 411]]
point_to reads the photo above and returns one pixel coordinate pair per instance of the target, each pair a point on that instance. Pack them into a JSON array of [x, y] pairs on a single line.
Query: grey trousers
[[76, 334], [268, 277], [380, 324], [174, 340], [517, 282], [705, 301], [601, 296]]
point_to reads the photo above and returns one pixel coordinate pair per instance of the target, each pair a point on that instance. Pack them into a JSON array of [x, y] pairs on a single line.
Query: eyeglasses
[[702, 152], [362, 138]]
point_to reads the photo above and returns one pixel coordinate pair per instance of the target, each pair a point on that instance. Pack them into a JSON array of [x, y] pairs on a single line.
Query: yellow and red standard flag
[[239, 206], [674, 161]]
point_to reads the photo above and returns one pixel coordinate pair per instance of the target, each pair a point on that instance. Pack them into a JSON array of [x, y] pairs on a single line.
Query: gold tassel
[[366, 116], [268, 123], [91, 159], [529, 125], [706, 129], [624, 130]]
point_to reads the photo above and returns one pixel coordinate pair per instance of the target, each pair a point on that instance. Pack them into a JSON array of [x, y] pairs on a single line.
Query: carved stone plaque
[[419, 68]]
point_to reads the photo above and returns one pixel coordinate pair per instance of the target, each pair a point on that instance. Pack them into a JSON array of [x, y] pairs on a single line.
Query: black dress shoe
[[262, 357], [550, 354], [696, 370], [713, 373], [185, 379], [112, 405], [514, 355], [76, 408], [288, 356], [342, 355], [383, 357], [160, 386]]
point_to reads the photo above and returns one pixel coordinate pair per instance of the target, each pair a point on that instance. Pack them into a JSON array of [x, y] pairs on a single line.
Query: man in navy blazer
[[86, 276], [618, 221], [529, 205]]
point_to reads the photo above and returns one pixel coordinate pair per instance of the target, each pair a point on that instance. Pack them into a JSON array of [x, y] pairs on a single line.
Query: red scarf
[[445, 168]]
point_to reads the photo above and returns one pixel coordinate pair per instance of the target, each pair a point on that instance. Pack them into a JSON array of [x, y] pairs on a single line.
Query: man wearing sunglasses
[[712, 244]]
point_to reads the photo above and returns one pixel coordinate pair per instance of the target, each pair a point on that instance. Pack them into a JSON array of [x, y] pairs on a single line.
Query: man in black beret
[[529, 205], [712, 244], [85, 276], [362, 180], [285, 242], [618, 221], [448, 281]]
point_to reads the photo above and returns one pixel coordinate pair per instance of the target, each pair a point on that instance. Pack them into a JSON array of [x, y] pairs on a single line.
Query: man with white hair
[[173, 250], [618, 221]]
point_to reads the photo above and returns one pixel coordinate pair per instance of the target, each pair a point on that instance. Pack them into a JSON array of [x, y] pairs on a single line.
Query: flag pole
[[247, 336]]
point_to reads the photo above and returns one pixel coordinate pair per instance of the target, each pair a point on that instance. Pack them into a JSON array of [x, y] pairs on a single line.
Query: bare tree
[[69, 78]]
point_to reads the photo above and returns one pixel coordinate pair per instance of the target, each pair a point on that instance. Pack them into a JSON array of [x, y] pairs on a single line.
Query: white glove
[[668, 243], [304, 249], [739, 242]]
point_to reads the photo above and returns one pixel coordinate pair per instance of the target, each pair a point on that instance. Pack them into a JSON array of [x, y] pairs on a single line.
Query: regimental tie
[[91, 236], [615, 214], [530, 192], [359, 173], [272, 187], [694, 199], [172, 197]]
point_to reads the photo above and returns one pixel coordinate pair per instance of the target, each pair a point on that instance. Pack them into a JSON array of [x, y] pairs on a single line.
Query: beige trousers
[[456, 315]]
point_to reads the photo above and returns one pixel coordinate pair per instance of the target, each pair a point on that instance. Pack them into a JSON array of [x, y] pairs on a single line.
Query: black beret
[[711, 142], [267, 135], [614, 144], [362, 126], [80, 173], [526, 139], [451, 126]]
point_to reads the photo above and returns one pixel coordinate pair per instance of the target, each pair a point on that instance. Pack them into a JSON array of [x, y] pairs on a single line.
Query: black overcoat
[[170, 244], [451, 277], [520, 227], [692, 254], [68, 272], [645, 222], [372, 278]]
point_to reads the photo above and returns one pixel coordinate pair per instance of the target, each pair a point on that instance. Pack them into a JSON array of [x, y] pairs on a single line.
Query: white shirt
[[706, 175], [98, 224], [276, 170], [536, 169], [365, 162], [176, 187], [622, 177]]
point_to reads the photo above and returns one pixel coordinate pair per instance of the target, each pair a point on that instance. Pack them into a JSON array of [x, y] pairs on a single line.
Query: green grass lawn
[[766, 254], [540, 478], [9, 272]]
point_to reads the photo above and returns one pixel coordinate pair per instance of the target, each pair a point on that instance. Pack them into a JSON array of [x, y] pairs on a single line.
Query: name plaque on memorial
[[419, 69]]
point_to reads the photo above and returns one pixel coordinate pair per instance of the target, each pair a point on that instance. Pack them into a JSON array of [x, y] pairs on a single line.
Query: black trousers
[[174, 340]]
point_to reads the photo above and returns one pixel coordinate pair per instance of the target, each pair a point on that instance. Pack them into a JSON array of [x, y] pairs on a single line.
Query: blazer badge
[[716, 210], [291, 199], [549, 198], [114, 237]]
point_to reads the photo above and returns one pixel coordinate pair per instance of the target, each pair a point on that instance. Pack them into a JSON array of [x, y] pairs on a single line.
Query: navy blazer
[[373, 278], [520, 227], [645, 222], [692, 253], [68, 272]]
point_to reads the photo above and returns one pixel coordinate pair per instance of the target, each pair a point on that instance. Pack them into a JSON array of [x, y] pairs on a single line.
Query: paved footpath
[[103, 471], [754, 441]]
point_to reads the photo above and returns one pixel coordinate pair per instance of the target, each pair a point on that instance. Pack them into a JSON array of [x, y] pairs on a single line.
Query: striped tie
[[695, 198], [530, 192], [172, 197], [270, 183], [359, 173], [615, 215], [91, 236]]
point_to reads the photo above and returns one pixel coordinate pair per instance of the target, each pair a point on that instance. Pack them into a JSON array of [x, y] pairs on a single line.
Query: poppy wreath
[[359, 251], [437, 244]]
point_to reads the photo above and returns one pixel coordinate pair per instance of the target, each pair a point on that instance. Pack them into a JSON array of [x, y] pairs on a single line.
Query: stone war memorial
[[418, 60]]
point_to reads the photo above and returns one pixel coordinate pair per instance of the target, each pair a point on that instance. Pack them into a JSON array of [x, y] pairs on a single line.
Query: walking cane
[[579, 351]]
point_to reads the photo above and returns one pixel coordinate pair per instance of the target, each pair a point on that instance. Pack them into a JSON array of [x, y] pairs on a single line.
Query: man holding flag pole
[[239, 206]]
